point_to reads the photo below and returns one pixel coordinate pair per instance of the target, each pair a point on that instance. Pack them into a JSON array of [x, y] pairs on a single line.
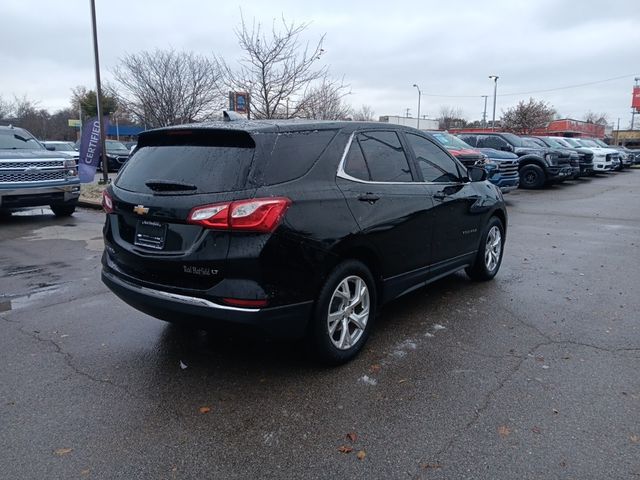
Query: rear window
[[188, 162], [289, 155]]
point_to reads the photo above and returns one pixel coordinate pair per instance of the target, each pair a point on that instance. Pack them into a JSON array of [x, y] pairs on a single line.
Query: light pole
[[495, 91], [484, 112], [419, 95], [105, 175]]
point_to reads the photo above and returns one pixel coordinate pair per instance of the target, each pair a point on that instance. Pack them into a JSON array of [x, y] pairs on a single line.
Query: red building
[[565, 127]]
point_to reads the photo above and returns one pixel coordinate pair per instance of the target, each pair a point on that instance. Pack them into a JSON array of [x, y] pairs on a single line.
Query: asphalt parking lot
[[531, 376]]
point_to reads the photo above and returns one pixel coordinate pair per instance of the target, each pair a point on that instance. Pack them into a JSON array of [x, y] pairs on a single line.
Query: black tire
[[480, 270], [63, 209], [532, 176], [320, 337]]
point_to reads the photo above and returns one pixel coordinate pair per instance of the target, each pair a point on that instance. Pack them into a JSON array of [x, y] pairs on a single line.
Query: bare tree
[[325, 101], [5, 108], [364, 114], [451, 117], [597, 118], [277, 69], [525, 117], [167, 87]]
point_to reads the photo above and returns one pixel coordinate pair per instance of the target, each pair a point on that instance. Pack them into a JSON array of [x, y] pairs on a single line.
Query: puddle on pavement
[[82, 231], [24, 301]]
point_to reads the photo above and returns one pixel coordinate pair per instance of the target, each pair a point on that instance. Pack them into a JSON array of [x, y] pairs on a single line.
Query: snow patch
[[367, 380]]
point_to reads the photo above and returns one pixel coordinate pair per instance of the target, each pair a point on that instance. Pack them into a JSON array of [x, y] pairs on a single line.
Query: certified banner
[[90, 149]]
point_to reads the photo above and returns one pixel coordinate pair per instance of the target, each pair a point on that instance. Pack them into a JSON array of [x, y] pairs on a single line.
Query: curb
[[92, 204]]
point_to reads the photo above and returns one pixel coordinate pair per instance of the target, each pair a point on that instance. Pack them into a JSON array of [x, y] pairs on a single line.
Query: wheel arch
[[365, 254]]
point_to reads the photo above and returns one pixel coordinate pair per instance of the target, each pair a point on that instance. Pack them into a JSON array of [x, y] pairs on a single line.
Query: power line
[[577, 85]]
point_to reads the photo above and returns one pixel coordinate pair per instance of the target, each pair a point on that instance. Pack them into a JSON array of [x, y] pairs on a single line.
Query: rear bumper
[[33, 196], [289, 321]]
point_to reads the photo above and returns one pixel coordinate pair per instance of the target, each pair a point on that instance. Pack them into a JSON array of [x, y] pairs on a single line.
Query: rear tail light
[[107, 202], [255, 215]]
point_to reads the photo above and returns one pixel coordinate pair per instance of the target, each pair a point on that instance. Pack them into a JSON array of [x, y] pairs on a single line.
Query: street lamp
[[419, 95], [495, 91]]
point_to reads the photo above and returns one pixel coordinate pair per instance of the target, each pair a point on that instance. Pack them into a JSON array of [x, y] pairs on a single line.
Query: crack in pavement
[[68, 360], [491, 394]]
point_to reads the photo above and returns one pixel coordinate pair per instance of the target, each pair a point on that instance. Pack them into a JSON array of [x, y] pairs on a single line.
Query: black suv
[[537, 165], [297, 228]]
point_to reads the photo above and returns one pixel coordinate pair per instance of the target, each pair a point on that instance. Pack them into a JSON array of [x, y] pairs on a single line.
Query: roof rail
[[231, 116]]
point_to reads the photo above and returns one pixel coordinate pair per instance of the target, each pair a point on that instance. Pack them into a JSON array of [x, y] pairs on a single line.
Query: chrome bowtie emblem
[[140, 209]]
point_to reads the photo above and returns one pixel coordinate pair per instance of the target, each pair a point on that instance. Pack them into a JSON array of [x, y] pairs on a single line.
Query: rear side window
[[189, 162], [355, 164], [490, 141], [291, 154], [385, 157]]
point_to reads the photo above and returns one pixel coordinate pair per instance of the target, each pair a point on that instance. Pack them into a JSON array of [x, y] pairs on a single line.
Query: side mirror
[[476, 174], [506, 148], [50, 148]]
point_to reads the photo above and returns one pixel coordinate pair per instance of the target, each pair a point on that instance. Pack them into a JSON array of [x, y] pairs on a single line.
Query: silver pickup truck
[[31, 175]]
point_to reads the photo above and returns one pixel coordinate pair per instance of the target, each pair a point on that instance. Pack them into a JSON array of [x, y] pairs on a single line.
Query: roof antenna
[[231, 116]]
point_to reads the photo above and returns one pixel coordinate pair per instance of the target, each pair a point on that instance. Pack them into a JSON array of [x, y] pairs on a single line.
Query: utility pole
[[484, 112], [495, 91], [105, 174], [419, 95]]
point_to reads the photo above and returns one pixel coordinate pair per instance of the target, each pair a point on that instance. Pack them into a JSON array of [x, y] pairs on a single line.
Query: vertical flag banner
[[90, 149]]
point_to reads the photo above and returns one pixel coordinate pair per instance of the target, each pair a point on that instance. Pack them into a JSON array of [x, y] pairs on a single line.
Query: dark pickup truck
[[31, 175], [537, 166]]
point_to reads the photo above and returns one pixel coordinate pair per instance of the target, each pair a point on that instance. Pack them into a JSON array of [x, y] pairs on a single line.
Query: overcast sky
[[381, 48]]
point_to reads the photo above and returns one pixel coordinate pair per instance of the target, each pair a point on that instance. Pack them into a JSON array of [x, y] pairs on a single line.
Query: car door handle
[[369, 197]]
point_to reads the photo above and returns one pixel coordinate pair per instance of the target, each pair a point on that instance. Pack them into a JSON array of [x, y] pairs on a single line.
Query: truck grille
[[508, 167], [20, 171], [41, 176]]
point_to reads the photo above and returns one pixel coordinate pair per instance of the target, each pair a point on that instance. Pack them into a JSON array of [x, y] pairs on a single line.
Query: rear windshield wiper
[[169, 186]]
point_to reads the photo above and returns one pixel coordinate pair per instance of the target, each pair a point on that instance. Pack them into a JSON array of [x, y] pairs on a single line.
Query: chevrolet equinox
[[299, 228]]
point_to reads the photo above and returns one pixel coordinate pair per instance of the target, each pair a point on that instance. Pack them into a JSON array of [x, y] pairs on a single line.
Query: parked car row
[[538, 160]]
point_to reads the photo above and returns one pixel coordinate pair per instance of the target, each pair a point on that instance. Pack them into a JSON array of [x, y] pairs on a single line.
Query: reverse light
[[107, 202], [255, 215]]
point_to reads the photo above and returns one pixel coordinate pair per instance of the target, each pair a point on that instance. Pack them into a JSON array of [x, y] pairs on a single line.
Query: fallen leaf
[[426, 466], [402, 380], [345, 449], [374, 368], [563, 464], [555, 411], [540, 359], [361, 454], [205, 409], [536, 429], [63, 451], [183, 365], [504, 431], [635, 439], [85, 472], [352, 436]]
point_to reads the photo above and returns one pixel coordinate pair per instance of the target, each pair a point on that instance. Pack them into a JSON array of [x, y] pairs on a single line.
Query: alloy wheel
[[348, 312], [493, 249]]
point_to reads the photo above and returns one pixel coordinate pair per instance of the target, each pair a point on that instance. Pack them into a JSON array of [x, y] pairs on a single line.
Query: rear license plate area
[[150, 234]]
